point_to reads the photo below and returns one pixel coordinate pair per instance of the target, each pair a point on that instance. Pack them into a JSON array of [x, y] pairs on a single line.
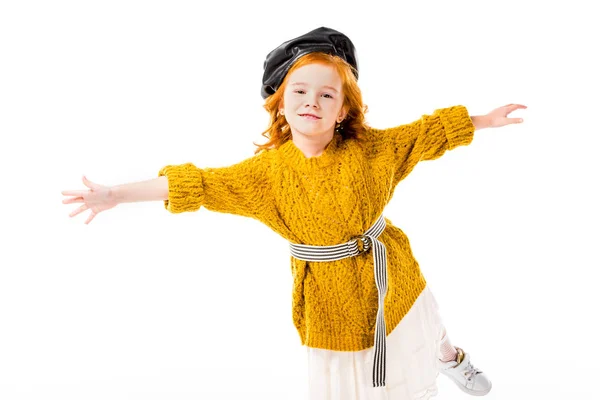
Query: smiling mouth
[[309, 116]]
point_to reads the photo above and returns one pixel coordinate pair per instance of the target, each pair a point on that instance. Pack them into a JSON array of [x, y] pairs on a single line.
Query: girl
[[360, 303]]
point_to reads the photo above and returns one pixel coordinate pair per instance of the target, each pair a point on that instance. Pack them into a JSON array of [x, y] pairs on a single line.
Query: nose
[[311, 100]]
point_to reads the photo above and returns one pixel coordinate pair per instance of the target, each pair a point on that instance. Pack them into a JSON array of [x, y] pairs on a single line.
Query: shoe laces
[[470, 371]]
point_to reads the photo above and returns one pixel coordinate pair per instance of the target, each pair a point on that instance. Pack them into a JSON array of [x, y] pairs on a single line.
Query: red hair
[[353, 126]]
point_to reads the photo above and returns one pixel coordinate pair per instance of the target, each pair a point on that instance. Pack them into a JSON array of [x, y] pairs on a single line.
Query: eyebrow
[[302, 83]]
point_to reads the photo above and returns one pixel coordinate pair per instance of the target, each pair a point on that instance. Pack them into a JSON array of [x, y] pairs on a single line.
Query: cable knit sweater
[[327, 200]]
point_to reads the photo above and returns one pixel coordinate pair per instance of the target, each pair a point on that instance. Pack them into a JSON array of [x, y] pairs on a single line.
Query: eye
[[298, 91], [327, 94]]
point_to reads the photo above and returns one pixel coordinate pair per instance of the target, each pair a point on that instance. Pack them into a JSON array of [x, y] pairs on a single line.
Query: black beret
[[323, 39]]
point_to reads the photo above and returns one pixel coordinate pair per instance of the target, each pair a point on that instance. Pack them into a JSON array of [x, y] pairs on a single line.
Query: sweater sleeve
[[425, 139], [241, 189]]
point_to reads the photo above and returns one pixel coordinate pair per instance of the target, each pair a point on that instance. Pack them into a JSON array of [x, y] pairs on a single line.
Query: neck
[[312, 145]]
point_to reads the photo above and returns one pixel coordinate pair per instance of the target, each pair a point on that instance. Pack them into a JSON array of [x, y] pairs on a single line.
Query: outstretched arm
[[432, 135], [242, 189]]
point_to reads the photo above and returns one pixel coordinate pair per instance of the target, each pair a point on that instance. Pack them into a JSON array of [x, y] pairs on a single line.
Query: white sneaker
[[470, 379]]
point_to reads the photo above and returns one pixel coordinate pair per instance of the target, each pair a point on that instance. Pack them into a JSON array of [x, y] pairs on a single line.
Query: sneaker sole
[[471, 392]]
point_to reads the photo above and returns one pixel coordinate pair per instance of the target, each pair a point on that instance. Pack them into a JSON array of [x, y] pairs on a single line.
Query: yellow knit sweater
[[328, 200]]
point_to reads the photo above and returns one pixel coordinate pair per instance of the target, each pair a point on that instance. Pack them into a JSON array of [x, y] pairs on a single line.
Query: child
[[360, 303]]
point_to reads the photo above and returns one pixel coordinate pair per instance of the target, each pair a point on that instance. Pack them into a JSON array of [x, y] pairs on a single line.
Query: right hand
[[97, 199]]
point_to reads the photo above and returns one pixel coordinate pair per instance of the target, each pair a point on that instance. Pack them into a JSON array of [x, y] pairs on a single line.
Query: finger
[[77, 193], [90, 184], [73, 200], [514, 120], [513, 107], [77, 211], [90, 218]]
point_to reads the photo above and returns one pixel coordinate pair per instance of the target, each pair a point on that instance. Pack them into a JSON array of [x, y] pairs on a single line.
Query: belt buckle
[[363, 243]]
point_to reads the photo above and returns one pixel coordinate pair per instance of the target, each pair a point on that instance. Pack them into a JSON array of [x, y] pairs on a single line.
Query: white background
[[144, 304]]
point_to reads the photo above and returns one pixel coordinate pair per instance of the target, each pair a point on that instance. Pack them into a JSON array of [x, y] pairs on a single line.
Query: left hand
[[498, 117]]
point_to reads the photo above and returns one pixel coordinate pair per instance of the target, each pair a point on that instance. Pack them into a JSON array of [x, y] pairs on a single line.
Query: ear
[[343, 113]]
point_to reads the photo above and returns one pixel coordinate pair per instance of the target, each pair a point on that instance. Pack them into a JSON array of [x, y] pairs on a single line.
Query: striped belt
[[351, 249]]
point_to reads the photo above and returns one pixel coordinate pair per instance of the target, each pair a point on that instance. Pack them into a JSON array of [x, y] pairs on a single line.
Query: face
[[313, 89]]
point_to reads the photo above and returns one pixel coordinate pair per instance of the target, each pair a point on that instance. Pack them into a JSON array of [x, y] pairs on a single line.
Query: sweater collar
[[295, 156]]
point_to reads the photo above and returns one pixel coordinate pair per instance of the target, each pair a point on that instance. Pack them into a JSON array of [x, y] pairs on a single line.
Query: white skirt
[[411, 372]]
